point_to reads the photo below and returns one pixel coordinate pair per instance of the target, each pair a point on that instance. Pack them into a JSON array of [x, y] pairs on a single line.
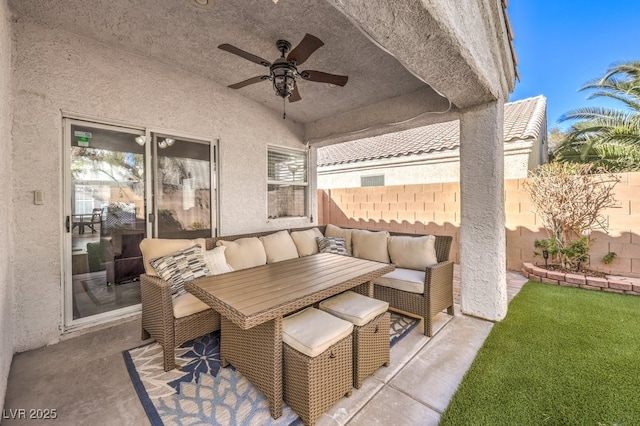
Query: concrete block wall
[[432, 208], [435, 209]]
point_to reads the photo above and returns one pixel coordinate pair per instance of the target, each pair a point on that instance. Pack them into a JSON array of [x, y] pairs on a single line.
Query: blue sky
[[563, 44]]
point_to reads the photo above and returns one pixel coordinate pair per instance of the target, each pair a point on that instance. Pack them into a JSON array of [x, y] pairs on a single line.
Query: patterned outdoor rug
[[204, 393]]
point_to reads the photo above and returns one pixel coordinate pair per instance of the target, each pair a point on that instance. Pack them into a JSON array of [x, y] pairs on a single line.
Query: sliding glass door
[[183, 187], [105, 220], [122, 185]]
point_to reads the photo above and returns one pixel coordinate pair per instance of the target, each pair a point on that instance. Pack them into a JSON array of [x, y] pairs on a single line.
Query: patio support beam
[[483, 278]]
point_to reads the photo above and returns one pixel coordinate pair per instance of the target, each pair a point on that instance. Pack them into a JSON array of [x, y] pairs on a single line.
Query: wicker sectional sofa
[[422, 282], [425, 292]]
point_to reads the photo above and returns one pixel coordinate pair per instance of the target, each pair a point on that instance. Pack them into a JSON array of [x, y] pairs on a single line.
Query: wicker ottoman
[[318, 362], [370, 333]]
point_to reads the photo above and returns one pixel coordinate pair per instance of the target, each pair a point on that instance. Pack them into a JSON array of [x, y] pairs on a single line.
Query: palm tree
[[607, 137]]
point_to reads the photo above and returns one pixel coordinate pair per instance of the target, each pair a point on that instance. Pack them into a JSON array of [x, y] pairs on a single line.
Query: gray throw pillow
[[334, 245]]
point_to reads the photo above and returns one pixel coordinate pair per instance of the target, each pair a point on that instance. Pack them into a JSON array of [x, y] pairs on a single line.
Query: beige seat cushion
[[313, 331], [356, 308], [336, 231], [408, 280], [244, 253], [152, 248], [370, 245], [187, 304], [306, 241], [279, 246], [413, 252]]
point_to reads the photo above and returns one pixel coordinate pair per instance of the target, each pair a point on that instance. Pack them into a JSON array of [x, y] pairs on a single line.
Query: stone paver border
[[612, 283]]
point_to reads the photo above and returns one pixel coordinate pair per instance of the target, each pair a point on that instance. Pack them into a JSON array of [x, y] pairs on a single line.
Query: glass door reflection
[[183, 197], [107, 220]]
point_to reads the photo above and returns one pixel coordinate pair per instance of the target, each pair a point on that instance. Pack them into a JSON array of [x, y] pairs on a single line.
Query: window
[[286, 183], [377, 180]]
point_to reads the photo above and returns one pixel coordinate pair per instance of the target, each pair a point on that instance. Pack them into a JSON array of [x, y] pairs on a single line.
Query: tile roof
[[523, 120]]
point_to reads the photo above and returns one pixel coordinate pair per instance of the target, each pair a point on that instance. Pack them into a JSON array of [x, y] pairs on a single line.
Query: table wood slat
[[252, 296], [286, 281]]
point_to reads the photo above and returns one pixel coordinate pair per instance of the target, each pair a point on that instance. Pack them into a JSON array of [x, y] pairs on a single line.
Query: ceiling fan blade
[[252, 80], [295, 95], [246, 55], [302, 51], [323, 77]]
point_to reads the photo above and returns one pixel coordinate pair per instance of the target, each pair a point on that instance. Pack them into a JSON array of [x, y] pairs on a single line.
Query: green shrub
[[609, 257]]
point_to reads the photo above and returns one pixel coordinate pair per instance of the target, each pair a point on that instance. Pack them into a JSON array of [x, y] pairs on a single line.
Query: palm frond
[[595, 113], [606, 137], [631, 100]]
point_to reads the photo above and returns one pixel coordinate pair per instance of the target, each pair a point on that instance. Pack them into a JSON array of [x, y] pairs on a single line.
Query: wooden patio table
[[252, 303]]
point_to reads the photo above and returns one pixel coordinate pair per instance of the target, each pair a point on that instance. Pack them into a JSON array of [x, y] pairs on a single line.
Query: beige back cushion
[[306, 241], [244, 253], [216, 261], [279, 246], [336, 231], [413, 252], [370, 245], [152, 248]]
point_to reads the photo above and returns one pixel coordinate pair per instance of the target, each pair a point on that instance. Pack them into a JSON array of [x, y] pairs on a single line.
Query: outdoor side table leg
[[257, 354]]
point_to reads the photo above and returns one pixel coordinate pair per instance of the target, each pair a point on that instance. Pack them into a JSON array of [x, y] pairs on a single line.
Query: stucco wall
[[440, 167], [56, 71], [6, 252], [435, 209]]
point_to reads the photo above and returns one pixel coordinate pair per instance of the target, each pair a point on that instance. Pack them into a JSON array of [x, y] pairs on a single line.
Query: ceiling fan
[[284, 70]]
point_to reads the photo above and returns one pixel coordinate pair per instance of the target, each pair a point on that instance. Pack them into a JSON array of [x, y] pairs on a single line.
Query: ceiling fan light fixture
[[170, 141], [140, 140], [284, 79], [162, 144], [283, 72]]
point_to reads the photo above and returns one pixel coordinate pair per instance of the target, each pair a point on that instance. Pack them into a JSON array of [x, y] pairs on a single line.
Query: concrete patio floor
[[85, 379]]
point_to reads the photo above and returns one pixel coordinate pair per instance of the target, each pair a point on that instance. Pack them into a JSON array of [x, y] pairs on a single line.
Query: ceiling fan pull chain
[[284, 108]]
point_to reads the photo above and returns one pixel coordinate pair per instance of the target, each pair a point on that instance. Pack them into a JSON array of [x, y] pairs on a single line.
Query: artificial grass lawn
[[562, 356]]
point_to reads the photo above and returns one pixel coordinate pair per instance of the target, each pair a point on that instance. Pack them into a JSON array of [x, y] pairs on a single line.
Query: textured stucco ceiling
[[180, 34]]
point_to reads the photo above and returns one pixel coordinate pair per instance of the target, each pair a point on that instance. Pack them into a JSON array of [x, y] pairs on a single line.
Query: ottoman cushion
[[356, 308], [313, 331]]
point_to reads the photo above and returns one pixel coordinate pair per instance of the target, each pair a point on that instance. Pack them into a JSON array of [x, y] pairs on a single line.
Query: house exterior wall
[[6, 207], [483, 291], [435, 167], [435, 209], [56, 71]]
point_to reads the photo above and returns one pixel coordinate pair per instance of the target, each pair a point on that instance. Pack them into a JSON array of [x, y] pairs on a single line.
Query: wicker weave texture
[[438, 288], [257, 354], [253, 301], [159, 323], [437, 296], [313, 385], [371, 347]]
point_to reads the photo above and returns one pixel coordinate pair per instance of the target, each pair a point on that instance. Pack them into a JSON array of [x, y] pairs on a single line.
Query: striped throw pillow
[[334, 245], [180, 267]]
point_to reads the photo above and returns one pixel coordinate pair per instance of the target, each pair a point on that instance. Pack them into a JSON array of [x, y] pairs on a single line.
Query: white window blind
[[287, 166], [286, 182]]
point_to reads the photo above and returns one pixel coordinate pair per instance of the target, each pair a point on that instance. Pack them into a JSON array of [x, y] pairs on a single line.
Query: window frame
[[304, 183]]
